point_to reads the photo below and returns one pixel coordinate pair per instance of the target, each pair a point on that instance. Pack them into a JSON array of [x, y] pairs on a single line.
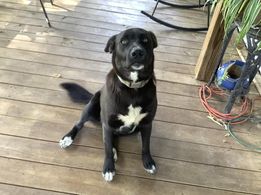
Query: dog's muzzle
[[137, 53]]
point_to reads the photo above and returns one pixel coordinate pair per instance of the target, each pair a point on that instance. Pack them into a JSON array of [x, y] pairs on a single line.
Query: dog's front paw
[[65, 142], [149, 164], [108, 170]]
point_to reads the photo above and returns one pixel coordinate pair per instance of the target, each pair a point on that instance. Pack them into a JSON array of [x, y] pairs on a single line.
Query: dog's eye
[[145, 40], [124, 41]]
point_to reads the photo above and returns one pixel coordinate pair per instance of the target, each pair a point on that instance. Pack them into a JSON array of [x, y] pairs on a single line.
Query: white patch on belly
[[134, 76], [134, 116]]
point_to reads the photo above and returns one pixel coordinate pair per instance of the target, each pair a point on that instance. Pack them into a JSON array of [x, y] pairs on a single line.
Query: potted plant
[[247, 12], [226, 14]]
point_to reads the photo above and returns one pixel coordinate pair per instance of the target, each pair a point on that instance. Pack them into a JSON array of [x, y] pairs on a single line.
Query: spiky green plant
[[246, 11]]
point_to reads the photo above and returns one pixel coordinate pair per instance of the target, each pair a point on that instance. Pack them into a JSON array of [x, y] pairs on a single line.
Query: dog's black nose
[[137, 53]]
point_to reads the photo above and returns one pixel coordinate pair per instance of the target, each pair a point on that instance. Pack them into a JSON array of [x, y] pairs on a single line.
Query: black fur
[[130, 49], [77, 93]]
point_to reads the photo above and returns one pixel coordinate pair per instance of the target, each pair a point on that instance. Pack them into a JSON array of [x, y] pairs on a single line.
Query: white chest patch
[[134, 76], [134, 116]]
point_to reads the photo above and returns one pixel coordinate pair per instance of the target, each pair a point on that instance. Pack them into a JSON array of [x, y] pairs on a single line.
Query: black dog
[[127, 102]]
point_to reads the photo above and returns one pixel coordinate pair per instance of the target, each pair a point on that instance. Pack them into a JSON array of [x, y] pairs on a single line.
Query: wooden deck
[[192, 153]]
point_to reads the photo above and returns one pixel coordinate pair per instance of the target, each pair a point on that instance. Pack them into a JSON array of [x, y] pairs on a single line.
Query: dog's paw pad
[[115, 155], [152, 170], [65, 142], [108, 176]]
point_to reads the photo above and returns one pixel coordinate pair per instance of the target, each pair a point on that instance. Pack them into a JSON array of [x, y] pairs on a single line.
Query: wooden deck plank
[[37, 95], [40, 83], [59, 114], [50, 78], [6, 189], [182, 43], [15, 34], [142, 5], [94, 10], [99, 76], [80, 181], [80, 53], [69, 115], [40, 96], [129, 164], [33, 79], [30, 57], [94, 29], [154, 28], [161, 148], [35, 129], [59, 98]]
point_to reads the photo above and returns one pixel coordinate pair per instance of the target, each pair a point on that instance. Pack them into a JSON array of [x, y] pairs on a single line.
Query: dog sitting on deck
[[127, 102]]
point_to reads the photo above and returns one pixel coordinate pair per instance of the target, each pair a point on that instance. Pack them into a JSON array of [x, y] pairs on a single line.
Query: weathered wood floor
[[192, 153]]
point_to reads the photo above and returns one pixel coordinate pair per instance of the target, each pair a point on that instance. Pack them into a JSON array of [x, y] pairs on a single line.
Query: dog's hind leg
[[90, 112]]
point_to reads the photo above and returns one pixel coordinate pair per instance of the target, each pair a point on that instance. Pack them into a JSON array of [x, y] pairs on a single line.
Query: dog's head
[[132, 53]]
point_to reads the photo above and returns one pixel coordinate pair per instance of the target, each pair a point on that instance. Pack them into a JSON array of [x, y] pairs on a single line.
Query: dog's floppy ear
[[154, 39], [110, 44]]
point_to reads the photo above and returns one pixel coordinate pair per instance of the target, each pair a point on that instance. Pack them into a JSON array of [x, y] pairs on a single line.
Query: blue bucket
[[229, 73]]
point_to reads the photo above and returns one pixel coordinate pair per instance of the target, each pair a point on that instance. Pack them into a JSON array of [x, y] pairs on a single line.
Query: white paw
[[108, 176], [65, 142], [152, 170], [115, 156]]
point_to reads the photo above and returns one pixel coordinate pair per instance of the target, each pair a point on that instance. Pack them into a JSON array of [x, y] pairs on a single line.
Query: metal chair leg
[[181, 6], [154, 8], [172, 25], [45, 13], [152, 17]]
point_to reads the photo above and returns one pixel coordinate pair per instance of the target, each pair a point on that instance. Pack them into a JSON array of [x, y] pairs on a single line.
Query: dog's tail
[[77, 93]]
